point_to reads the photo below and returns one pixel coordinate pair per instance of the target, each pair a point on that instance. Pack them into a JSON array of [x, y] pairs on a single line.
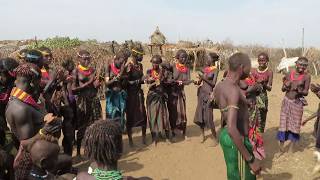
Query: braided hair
[[103, 142], [28, 70]]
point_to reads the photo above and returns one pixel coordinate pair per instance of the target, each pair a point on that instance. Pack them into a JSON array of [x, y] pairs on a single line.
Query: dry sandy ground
[[192, 160]]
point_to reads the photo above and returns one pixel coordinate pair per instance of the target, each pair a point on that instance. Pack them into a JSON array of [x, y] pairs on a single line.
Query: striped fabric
[[291, 115], [24, 97]]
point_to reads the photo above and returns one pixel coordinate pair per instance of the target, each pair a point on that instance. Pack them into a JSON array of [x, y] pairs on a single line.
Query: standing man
[[234, 139]]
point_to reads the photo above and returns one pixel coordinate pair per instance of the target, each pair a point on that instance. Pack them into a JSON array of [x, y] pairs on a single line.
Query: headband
[[32, 56], [138, 52], [84, 55], [44, 53]]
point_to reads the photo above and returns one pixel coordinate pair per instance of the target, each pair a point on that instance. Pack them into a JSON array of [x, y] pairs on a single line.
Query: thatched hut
[[157, 38]]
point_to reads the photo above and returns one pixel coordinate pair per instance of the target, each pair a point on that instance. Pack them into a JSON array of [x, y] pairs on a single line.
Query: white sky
[[263, 22]]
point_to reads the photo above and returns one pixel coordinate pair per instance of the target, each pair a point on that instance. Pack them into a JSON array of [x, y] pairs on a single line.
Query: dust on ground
[[192, 160]]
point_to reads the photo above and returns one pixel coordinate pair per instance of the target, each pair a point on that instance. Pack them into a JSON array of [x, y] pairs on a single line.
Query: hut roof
[[157, 37]]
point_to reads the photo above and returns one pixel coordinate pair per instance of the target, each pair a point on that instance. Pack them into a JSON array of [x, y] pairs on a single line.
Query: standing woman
[[177, 98], [136, 113], [207, 80], [264, 76], [296, 86], [85, 86], [116, 94], [157, 111]]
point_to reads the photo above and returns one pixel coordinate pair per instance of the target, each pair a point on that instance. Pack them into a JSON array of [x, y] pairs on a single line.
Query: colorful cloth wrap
[[237, 167], [290, 120], [116, 105]]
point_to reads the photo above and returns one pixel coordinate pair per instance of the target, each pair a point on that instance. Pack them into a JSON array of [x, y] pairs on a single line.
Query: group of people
[[38, 100]]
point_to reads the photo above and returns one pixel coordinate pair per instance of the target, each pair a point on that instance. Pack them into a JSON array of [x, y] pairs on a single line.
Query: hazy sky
[[264, 22]]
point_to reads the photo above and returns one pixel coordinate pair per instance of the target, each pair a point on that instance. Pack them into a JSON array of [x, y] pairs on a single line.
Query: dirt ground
[[192, 160]]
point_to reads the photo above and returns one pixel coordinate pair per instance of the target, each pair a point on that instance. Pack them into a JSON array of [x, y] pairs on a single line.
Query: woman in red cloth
[[296, 86], [252, 92], [264, 76], [177, 97], [207, 81], [85, 87]]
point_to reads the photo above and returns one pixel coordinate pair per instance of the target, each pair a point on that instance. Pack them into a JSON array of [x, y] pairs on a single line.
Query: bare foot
[[281, 147], [215, 142]]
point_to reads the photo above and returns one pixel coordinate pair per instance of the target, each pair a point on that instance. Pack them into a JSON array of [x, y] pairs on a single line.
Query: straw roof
[[157, 37]]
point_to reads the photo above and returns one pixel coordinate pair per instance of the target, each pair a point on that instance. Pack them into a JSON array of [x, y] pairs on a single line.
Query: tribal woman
[[157, 110], [136, 113], [177, 98], [204, 111], [116, 94], [85, 86], [264, 76], [296, 86], [251, 92]]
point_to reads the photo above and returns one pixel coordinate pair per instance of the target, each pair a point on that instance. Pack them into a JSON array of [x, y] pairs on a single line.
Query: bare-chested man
[[296, 86], [25, 119], [234, 134]]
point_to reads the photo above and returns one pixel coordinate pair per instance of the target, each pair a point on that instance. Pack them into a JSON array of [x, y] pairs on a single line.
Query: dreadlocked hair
[[28, 70], [103, 142]]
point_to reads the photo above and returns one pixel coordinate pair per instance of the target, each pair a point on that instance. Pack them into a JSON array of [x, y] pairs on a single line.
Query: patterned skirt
[[290, 119]]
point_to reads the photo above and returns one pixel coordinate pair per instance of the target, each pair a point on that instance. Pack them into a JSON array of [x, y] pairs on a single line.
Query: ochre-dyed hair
[[238, 59], [28, 70], [265, 55], [179, 52], [103, 142]]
